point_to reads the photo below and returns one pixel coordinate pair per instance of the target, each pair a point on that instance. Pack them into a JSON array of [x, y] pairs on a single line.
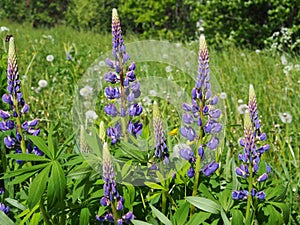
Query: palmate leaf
[[160, 216], [38, 187], [5, 220], [56, 185], [84, 216], [40, 143], [204, 204], [24, 170]]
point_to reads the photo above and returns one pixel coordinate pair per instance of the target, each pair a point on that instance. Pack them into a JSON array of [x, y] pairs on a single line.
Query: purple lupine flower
[[251, 156], [161, 149], [18, 107], [4, 208], [128, 89], [1, 190], [111, 197], [201, 114]]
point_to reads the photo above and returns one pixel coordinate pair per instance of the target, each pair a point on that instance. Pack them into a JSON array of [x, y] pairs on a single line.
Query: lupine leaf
[[154, 186], [204, 204], [237, 217], [39, 142], [5, 220], [35, 218], [162, 218], [198, 218], [84, 216], [15, 203], [284, 209], [139, 222], [56, 186], [28, 157], [23, 170], [38, 187], [224, 217], [21, 178], [50, 142], [181, 214]]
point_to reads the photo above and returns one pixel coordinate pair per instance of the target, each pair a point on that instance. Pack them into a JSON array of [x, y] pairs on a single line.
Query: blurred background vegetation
[[252, 24]]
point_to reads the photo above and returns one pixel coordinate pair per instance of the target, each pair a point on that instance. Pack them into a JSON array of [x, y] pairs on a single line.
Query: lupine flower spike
[[112, 199], [12, 120], [251, 156], [200, 119], [127, 91], [3, 207]]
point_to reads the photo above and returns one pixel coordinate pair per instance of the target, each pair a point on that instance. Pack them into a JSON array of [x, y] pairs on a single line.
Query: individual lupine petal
[[242, 171], [110, 217], [207, 94], [215, 113], [10, 124], [4, 115], [114, 133], [134, 128], [25, 125], [255, 162], [34, 132], [131, 76], [135, 110], [1, 190], [123, 112], [128, 217], [205, 109], [112, 93], [243, 157], [7, 99], [201, 152], [126, 57], [3, 126], [188, 132], [186, 107], [100, 218], [4, 208], [199, 121], [18, 136], [37, 151], [120, 204], [268, 168], [235, 195], [243, 194], [213, 143], [261, 195], [214, 101], [187, 118], [242, 142], [263, 137], [111, 110], [9, 142], [33, 123], [187, 154], [210, 168], [110, 63], [132, 66], [216, 128], [263, 177], [253, 192], [135, 87], [25, 109], [191, 172], [111, 77], [120, 222], [104, 201]]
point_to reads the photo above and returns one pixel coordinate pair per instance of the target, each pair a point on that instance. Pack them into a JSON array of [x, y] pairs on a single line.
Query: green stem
[[124, 132], [198, 160], [115, 213], [44, 213], [249, 201], [164, 202]]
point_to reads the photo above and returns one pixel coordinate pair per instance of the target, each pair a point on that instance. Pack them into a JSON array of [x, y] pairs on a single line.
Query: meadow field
[[61, 74]]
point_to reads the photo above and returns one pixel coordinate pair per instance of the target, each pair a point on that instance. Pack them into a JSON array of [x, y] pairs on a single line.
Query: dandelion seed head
[[168, 69], [285, 117], [223, 95], [85, 91], [242, 109], [240, 101], [91, 115], [42, 83], [283, 60], [50, 58]]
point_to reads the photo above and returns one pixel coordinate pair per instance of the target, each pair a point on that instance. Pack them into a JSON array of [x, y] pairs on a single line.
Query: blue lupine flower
[[129, 88], [201, 113], [111, 196], [4, 208], [251, 156], [13, 120]]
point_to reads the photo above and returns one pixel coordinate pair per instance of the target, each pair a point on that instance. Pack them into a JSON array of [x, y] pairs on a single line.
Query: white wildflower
[[242, 109], [91, 115], [42, 83], [187, 64], [3, 28], [102, 63], [50, 58], [285, 117], [240, 101], [243, 54], [283, 60], [85, 91], [223, 95], [257, 51], [152, 93], [168, 69]]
